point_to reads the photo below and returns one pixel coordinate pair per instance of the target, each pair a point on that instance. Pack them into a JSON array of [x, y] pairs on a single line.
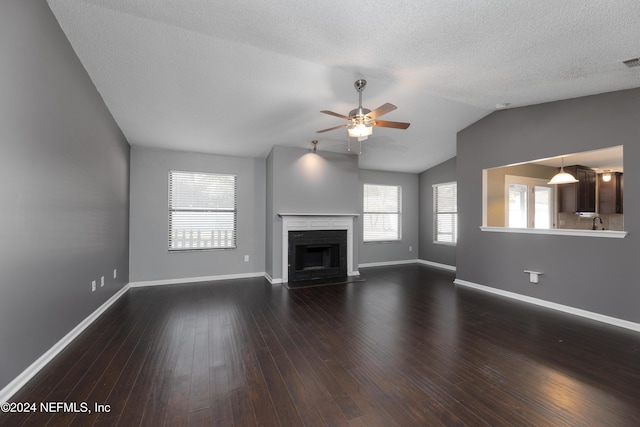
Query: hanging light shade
[[606, 176], [360, 130], [562, 177]]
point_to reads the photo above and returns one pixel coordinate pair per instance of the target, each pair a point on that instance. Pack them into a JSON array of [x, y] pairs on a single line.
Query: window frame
[[365, 214], [436, 212], [172, 210], [531, 184]]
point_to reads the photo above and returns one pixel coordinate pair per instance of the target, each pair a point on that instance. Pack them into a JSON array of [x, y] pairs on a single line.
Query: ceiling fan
[[362, 120]]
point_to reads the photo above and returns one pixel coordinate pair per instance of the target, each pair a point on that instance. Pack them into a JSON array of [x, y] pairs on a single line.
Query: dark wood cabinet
[[610, 194], [580, 196]]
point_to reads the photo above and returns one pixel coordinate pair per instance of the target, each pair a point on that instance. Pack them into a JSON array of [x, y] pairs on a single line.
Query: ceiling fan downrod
[[359, 113]]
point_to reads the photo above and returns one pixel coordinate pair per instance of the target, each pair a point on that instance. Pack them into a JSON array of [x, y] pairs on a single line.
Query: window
[[202, 211], [382, 213], [529, 202], [445, 213]]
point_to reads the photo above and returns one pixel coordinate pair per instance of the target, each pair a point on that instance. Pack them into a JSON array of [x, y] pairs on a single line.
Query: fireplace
[[317, 254], [307, 222]]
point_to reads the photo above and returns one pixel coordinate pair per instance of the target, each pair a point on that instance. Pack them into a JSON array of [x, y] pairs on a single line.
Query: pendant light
[[562, 177]]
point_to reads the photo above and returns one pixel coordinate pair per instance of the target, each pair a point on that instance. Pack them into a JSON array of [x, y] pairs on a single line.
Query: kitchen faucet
[[594, 222]]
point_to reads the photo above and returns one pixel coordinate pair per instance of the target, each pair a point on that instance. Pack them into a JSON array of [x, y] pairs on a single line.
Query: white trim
[[485, 180], [611, 234], [311, 221], [437, 265], [19, 381], [383, 263], [409, 261], [548, 304], [271, 279], [195, 279]]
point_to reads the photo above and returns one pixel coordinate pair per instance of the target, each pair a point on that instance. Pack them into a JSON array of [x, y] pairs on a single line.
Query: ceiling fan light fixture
[[360, 130]]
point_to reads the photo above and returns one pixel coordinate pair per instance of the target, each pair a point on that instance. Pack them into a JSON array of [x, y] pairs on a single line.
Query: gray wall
[[429, 251], [150, 257], [392, 251], [304, 182], [65, 175], [593, 274]]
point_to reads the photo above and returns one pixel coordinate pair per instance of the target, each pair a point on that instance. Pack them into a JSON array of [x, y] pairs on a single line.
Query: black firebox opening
[[317, 255], [314, 257]]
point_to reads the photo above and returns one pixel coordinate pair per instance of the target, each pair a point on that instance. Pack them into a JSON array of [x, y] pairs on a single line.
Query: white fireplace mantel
[[316, 221]]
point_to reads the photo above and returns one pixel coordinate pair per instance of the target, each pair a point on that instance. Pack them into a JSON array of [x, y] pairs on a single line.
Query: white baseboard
[[548, 304], [195, 279], [409, 261], [384, 263], [42, 361], [437, 265], [271, 279]]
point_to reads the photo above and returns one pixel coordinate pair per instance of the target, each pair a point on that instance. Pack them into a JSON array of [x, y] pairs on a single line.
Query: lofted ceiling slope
[[237, 77]]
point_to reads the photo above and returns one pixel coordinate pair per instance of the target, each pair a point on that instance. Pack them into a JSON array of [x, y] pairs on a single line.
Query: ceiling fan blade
[[383, 109], [331, 113], [333, 128], [387, 124]]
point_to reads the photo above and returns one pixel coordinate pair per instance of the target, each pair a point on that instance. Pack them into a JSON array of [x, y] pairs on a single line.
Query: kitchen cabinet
[[610, 194], [580, 196]]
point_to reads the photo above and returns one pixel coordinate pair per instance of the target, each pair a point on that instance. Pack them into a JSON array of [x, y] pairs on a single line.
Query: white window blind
[[381, 220], [445, 213], [202, 211]]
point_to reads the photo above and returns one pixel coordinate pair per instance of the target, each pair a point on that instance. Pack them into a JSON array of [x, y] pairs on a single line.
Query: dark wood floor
[[404, 348]]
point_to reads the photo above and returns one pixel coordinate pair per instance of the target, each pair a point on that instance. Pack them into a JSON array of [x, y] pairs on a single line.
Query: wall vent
[[635, 62]]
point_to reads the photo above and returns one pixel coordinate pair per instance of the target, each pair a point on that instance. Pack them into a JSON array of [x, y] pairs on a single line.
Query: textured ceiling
[[237, 77]]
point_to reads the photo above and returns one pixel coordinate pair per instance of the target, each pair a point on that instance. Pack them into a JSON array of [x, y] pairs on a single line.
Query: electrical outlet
[[101, 281], [115, 273], [246, 258], [93, 286], [410, 248]]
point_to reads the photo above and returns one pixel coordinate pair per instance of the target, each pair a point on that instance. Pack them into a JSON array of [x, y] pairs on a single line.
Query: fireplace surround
[[292, 222]]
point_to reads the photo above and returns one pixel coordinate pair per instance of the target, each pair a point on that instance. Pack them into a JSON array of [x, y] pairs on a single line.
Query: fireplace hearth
[[317, 255]]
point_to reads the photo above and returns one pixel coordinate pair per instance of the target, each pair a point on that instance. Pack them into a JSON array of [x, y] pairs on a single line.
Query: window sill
[[381, 241], [611, 234], [444, 243], [177, 251]]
